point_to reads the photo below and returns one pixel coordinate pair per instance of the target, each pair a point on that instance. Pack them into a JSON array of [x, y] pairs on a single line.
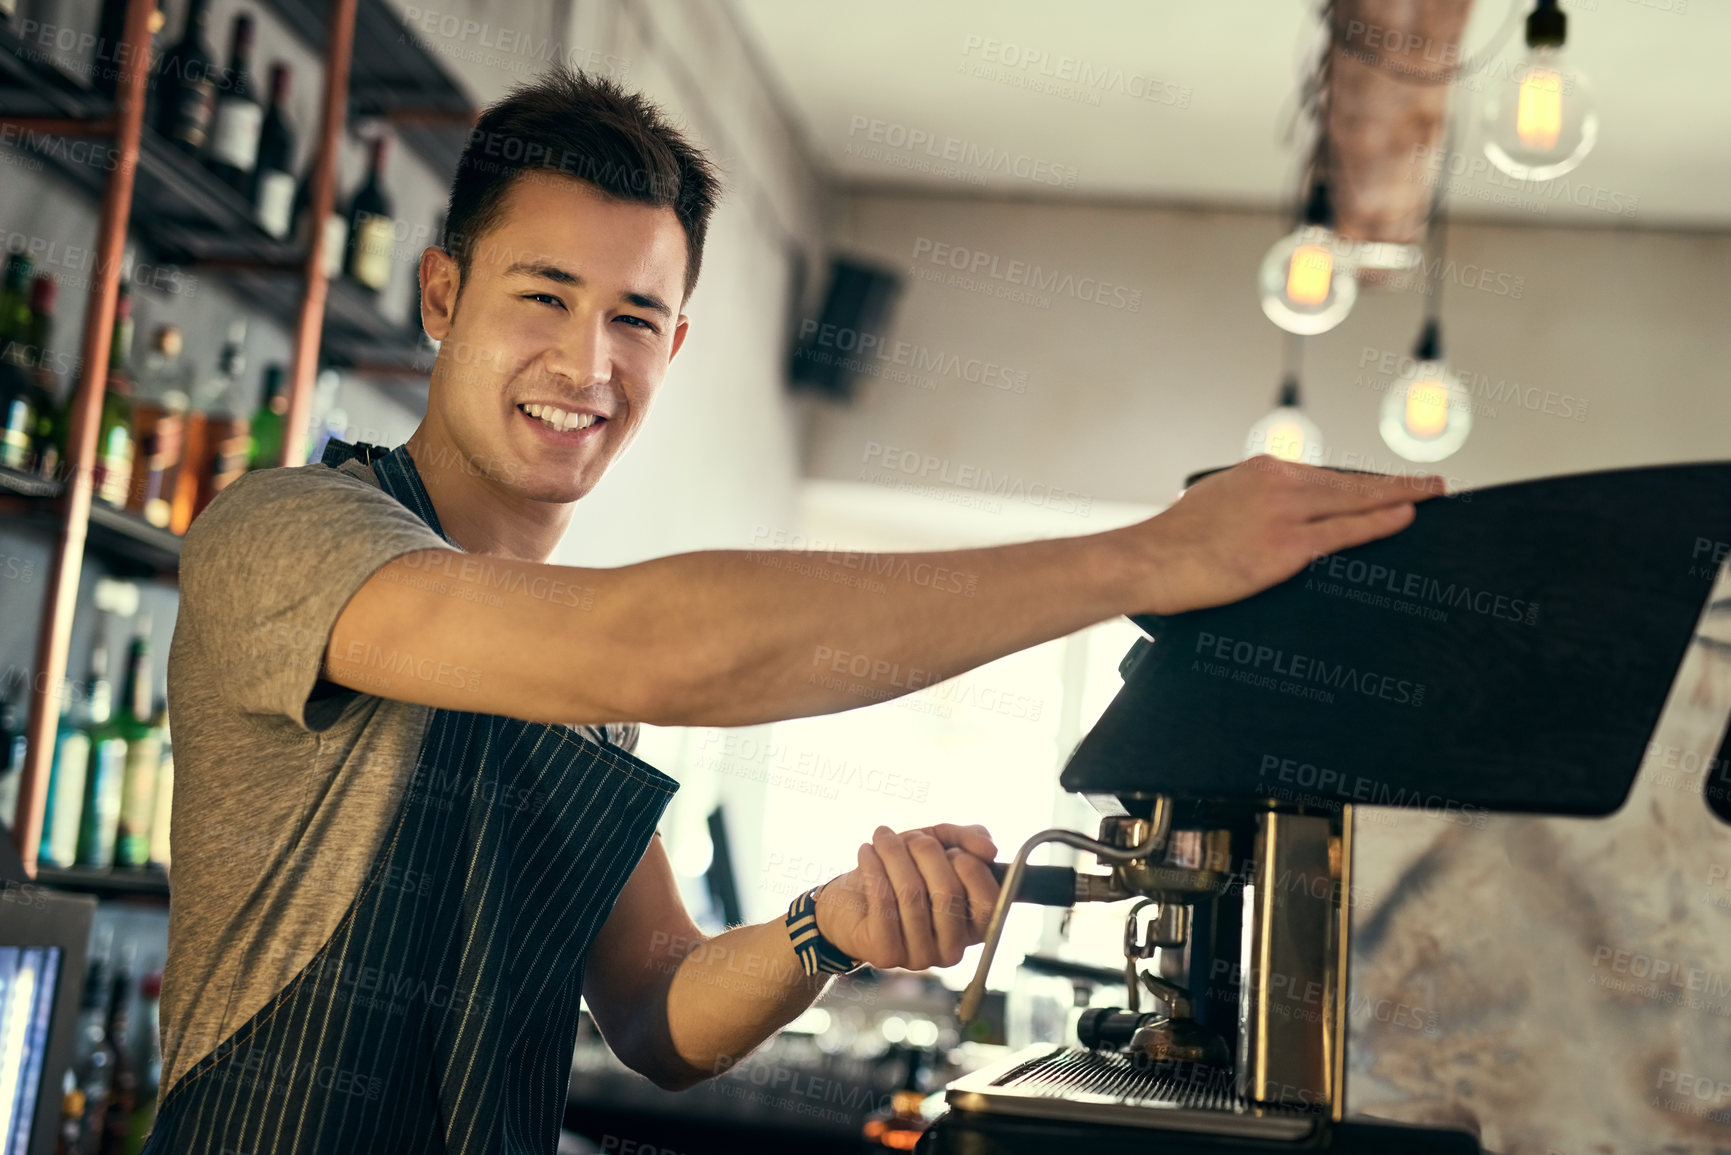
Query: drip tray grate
[[1075, 1085]]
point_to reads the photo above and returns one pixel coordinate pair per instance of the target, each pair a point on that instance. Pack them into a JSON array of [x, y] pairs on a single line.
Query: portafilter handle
[[1041, 885], [1159, 827]]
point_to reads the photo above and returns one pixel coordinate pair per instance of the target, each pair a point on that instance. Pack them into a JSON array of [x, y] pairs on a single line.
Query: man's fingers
[[948, 897], [911, 898], [1332, 491], [1350, 529], [982, 890], [972, 838], [878, 909]]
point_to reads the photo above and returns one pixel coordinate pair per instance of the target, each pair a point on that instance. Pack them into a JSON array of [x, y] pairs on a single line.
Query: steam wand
[[1160, 825]]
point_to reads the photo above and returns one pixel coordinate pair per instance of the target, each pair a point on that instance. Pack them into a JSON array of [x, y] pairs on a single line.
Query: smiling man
[[409, 830]]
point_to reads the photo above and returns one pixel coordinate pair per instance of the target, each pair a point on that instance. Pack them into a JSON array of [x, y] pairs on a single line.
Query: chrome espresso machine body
[[1430, 843]]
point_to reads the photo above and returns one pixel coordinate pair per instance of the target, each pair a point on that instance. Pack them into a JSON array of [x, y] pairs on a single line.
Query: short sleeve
[[264, 573]]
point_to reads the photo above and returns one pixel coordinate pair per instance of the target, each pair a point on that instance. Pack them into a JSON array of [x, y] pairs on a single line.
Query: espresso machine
[[1427, 848]]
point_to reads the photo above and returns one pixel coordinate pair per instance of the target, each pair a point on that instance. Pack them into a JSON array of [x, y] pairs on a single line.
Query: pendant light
[[1286, 431], [1427, 412], [1308, 280], [1539, 119]]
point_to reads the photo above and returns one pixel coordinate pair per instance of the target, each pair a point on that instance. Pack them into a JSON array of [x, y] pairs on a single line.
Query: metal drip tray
[[1080, 1086]]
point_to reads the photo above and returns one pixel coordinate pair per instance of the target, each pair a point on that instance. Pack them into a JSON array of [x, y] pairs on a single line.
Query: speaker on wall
[[833, 350]]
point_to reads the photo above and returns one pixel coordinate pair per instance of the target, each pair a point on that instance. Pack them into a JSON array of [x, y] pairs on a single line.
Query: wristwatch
[[817, 955]]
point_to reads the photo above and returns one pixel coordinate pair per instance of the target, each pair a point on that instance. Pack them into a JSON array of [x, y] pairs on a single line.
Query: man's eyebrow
[[565, 277]]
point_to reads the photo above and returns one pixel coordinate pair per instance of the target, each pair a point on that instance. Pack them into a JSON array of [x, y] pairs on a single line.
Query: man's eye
[[548, 298], [639, 322]]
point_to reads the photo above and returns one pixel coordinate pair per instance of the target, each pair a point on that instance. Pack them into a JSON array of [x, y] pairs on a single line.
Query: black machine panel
[[1510, 650]]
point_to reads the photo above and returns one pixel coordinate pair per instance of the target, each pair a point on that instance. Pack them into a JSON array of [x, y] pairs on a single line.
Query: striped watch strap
[[817, 955]]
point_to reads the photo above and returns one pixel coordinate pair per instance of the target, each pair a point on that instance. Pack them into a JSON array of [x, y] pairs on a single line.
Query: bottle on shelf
[[232, 148], [148, 1060], [137, 725], [371, 228], [336, 224], [18, 393], [121, 1103], [51, 417], [71, 762], [273, 184], [114, 445], [92, 1060], [216, 441], [163, 809], [14, 696], [268, 419], [100, 814], [26, 385], [160, 400], [186, 84]]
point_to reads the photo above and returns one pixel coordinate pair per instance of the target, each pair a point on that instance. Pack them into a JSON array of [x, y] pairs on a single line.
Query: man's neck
[[478, 513]]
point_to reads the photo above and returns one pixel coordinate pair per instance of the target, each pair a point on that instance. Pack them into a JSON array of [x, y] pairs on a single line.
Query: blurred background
[[983, 272]]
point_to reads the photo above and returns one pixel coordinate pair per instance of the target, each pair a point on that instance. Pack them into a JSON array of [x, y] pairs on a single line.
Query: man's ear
[[679, 328], [440, 283]]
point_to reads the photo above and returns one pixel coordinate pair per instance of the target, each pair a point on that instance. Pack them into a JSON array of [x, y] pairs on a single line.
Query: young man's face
[[569, 310]]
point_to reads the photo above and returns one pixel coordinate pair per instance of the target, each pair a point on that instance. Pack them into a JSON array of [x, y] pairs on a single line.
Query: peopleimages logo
[[904, 139], [976, 263], [1374, 580], [1298, 674]]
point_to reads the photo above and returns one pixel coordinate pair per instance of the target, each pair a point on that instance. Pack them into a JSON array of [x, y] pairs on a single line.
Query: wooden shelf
[[141, 884], [130, 546]]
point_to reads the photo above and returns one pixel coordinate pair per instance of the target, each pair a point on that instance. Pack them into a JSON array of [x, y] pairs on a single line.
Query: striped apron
[[442, 1015]]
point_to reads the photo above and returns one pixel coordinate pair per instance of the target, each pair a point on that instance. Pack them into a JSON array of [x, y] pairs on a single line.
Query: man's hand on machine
[[917, 899], [1244, 529]]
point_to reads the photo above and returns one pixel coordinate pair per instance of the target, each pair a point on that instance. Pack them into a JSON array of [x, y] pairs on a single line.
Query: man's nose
[[583, 354]]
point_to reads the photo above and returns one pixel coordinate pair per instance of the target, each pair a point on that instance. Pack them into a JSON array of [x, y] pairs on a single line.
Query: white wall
[[1121, 404]]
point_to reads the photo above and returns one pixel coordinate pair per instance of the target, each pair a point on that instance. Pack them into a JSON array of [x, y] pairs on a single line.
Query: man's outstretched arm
[[678, 1007], [732, 638]]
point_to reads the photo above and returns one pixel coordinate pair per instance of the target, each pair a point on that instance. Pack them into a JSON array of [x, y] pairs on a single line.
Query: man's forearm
[[757, 637], [726, 995]]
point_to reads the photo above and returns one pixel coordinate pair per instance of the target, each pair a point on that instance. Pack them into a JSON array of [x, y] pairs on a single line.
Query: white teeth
[[556, 418]]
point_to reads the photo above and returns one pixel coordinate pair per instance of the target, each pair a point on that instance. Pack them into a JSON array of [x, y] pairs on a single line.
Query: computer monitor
[[44, 935]]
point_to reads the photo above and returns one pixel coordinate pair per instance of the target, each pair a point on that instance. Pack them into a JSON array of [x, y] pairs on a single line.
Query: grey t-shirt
[[285, 784]]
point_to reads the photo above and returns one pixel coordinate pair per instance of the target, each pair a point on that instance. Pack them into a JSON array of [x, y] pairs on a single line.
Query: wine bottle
[[71, 763], [112, 478], [186, 89], [121, 1101], [273, 186], [143, 755], [371, 229], [268, 421], [35, 353], [104, 778], [239, 117], [336, 226], [18, 399]]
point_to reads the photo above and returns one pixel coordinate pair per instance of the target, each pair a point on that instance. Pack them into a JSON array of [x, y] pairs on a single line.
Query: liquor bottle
[[52, 418], [216, 441], [268, 420], [232, 151], [18, 398], [143, 755], [160, 820], [12, 747], [273, 184], [92, 1060], [371, 229], [166, 379], [121, 1102], [159, 404], [26, 380], [71, 762], [148, 1059], [186, 88], [100, 814], [112, 477], [336, 226]]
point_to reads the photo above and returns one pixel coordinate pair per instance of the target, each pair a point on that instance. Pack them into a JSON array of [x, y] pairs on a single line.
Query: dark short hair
[[587, 127]]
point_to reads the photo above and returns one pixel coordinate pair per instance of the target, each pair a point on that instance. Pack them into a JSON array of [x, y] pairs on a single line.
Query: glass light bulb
[[1288, 434], [1539, 119], [1426, 413], [1308, 281]]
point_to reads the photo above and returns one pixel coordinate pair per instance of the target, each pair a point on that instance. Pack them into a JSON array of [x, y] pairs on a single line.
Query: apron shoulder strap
[[337, 452]]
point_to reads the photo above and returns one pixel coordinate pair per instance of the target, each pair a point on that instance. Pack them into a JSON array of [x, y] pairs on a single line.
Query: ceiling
[[1199, 96]]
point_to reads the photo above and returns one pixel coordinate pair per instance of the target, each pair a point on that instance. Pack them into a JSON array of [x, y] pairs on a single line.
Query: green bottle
[[267, 424], [102, 781], [19, 413], [143, 756], [71, 766], [114, 447]]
